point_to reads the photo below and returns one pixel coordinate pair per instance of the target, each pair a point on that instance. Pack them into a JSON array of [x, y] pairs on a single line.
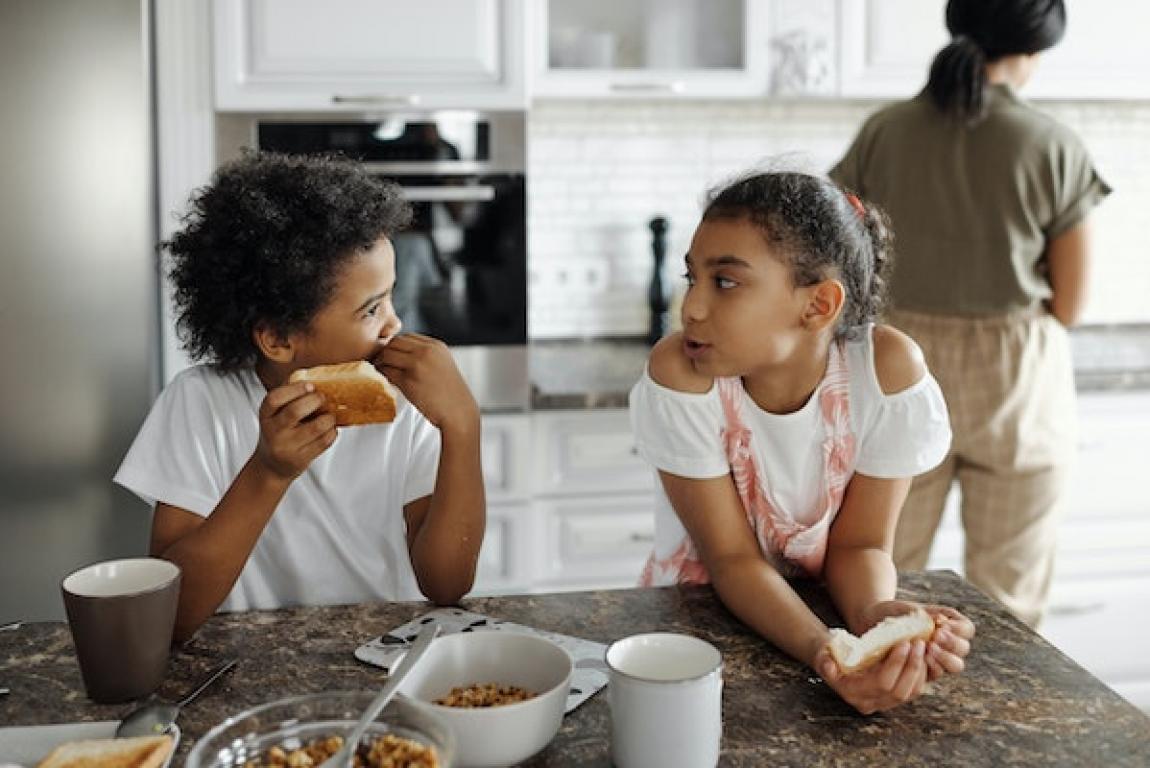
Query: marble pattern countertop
[[599, 373], [1019, 703]]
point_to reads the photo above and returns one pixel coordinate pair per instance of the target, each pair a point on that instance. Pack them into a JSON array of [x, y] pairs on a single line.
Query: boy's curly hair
[[264, 242]]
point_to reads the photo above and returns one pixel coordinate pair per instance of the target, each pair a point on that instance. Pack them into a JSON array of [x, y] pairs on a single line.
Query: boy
[[286, 263]]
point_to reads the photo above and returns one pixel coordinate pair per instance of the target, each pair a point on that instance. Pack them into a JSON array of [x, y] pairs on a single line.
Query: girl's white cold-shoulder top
[[793, 458]]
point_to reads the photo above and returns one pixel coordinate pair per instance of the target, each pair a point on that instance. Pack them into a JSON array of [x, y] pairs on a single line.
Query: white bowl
[[507, 734]]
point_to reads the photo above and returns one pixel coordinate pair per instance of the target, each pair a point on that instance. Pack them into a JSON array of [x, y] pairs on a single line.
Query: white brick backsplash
[[599, 171]]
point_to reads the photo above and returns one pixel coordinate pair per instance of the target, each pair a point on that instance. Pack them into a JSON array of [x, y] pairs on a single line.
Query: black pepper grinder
[[657, 294]]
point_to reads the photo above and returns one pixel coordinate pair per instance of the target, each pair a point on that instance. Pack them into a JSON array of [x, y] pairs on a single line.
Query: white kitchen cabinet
[[594, 542], [1103, 56], [1101, 587], [650, 49], [886, 48], [506, 558], [569, 502], [587, 452], [505, 447], [592, 500], [356, 55]]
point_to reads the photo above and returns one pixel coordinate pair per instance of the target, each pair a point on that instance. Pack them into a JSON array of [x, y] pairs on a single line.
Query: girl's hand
[[950, 643], [897, 679], [423, 369], [948, 646], [291, 434]]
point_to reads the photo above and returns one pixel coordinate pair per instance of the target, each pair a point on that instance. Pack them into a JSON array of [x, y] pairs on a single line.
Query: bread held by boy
[[855, 654], [133, 752], [356, 393]]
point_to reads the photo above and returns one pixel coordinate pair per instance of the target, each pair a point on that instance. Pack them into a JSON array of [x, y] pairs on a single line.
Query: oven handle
[[378, 99], [475, 194]]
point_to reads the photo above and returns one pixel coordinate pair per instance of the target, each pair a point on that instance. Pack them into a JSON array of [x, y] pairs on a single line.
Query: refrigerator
[[79, 299]]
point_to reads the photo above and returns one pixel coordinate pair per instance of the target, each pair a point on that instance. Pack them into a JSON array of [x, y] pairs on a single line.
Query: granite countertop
[[598, 373], [1020, 701]]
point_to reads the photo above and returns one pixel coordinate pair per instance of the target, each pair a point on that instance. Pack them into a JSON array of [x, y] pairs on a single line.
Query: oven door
[[461, 267]]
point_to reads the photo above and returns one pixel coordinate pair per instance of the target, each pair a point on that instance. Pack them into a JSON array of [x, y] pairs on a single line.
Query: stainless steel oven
[[461, 268]]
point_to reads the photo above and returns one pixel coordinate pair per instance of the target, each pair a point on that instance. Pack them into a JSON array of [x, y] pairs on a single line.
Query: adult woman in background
[[989, 199]]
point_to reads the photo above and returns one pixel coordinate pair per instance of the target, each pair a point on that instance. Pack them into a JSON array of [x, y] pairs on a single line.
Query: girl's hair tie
[[857, 205]]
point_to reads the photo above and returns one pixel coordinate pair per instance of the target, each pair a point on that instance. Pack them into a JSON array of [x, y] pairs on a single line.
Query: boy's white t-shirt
[[337, 536], [899, 435]]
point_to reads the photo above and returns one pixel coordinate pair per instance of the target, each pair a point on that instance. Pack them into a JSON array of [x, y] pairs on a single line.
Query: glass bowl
[[292, 722]]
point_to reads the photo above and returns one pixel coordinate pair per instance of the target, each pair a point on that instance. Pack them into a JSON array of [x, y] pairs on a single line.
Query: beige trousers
[[1009, 386]]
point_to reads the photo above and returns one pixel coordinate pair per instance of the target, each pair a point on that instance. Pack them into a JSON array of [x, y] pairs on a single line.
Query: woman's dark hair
[[816, 227], [264, 243], [984, 31]]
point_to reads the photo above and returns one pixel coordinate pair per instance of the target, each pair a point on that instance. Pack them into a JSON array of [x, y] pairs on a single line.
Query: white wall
[[600, 171]]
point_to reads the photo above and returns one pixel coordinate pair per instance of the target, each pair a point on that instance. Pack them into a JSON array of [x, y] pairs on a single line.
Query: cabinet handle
[[382, 99], [642, 538], [675, 86]]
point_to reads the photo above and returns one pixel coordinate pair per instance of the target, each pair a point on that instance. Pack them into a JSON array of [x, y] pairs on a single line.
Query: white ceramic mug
[[666, 695]]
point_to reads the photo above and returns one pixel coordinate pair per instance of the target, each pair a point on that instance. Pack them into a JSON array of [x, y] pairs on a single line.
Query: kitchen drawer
[[598, 542], [505, 448], [581, 452]]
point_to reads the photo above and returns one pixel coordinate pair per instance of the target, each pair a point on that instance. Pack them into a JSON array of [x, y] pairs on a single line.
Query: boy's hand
[[291, 434], [423, 369], [897, 679]]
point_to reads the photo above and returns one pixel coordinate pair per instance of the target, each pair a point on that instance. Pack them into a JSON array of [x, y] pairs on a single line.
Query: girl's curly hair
[[815, 227], [264, 243]]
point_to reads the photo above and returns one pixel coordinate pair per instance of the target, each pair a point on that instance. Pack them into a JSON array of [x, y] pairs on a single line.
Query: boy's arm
[[445, 529], [211, 551]]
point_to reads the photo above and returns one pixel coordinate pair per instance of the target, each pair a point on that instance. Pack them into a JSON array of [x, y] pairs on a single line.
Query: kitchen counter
[[599, 373], [1020, 702]]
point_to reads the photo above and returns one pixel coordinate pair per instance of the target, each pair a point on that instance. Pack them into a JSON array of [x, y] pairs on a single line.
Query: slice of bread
[[133, 752], [854, 654], [356, 392]]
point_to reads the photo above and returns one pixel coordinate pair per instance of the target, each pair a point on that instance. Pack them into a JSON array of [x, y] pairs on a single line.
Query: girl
[[287, 263], [785, 428], [990, 198]]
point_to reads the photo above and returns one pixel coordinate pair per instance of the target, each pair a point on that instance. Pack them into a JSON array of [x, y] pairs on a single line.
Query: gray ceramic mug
[[122, 613]]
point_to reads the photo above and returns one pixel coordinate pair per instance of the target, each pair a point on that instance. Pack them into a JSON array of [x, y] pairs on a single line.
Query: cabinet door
[[595, 543], [505, 559], [587, 452], [887, 45], [504, 449], [368, 54], [619, 49], [1103, 56]]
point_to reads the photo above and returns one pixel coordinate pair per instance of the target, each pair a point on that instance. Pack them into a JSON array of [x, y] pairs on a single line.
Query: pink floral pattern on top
[[794, 548]]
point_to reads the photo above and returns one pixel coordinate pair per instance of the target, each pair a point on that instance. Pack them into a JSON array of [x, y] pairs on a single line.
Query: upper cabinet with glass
[[697, 49], [887, 46], [305, 55]]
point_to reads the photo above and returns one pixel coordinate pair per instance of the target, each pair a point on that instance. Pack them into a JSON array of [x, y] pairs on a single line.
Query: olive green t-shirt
[[972, 207]]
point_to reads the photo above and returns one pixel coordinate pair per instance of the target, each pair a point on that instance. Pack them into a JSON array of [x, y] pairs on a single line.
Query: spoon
[[343, 757], [157, 717]]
